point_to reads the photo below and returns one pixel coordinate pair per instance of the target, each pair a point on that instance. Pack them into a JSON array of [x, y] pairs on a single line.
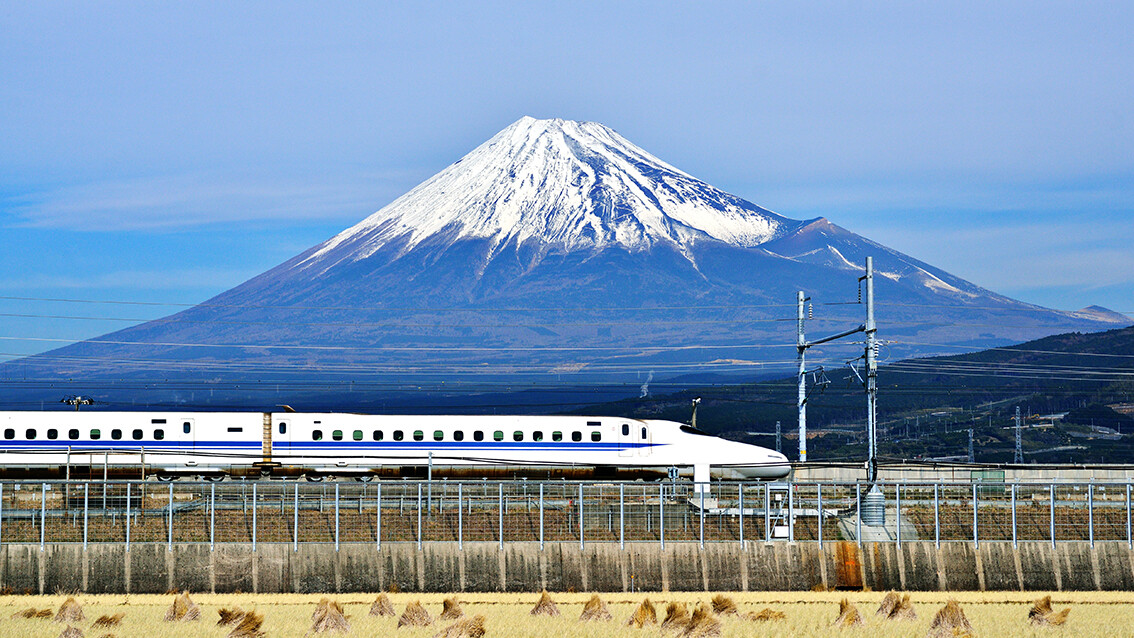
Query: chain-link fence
[[557, 511]]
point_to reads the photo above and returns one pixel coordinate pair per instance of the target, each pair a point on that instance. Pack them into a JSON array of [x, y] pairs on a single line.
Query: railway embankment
[[560, 566]]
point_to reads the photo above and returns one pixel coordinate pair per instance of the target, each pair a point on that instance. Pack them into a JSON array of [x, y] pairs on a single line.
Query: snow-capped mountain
[[563, 184], [555, 248]]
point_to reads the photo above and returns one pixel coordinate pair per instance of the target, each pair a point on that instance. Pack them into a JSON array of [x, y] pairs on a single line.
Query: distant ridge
[[557, 251]]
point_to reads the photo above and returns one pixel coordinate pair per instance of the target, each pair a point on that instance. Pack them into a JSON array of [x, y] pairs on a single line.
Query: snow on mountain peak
[[576, 185]]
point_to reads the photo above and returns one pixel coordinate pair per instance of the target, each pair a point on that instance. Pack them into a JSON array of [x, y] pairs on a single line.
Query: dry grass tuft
[[888, 604], [545, 606], [463, 628], [415, 616], [723, 605], [183, 610], [229, 616], [702, 624], [1043, 614], [248, 626], [848, 615], [71, 632], [595, 609], [765, 615], [32, 612], [382, 606], [70, 612], [644, 615], [676, 617], [950, 622], [109, 621], [450, 609], [328, 616]]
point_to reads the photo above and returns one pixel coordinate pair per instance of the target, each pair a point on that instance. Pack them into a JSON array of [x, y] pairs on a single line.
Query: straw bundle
[[248, 626], [71, 632], [702, 624], [676, 617], [328, 616], [415, 616], [450, 609], [950, 622], [848, 615], [903, 610], [382, 606], [182, 610], [595, 609], [70, 612], [463, 628], [888, 604], [32, 612], [545, 606], [229, 616], [1043, 614], [765, 615], [723, 605], [644, 615], [109, 621]]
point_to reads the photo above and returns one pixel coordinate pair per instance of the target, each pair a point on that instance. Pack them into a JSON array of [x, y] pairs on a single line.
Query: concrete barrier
[[485, 567]]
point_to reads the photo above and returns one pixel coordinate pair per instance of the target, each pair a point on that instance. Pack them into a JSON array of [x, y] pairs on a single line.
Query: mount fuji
[[557, 251]]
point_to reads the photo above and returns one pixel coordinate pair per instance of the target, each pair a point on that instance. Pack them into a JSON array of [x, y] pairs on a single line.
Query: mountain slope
[[555, 248]]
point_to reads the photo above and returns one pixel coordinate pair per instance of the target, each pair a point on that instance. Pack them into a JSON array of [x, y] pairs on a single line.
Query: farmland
[[807, 614]]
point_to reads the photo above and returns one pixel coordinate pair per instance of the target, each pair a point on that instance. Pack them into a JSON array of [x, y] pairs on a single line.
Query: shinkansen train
[[213, 445]]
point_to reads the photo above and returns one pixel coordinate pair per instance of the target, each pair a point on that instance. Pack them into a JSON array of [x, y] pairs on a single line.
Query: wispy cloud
[[185, 201]]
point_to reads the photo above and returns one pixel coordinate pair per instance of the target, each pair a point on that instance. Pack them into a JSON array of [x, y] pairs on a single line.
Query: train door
[[644, 447], [281, 438], [626, 440], [187, 437]]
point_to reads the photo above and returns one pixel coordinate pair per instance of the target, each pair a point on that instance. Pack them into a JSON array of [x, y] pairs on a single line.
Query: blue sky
[[164, 152]]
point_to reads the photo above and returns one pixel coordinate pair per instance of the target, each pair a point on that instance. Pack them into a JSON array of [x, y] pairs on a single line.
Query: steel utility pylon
[[1019, 456]]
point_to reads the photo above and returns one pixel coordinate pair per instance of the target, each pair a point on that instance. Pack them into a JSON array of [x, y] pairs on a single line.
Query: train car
[[213, 445]]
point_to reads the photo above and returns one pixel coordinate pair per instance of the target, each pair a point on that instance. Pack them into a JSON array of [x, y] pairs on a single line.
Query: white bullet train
[[213, 445]]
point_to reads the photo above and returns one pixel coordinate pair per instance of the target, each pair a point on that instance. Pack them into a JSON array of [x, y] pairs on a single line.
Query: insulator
[[810, 311], [860, 292]]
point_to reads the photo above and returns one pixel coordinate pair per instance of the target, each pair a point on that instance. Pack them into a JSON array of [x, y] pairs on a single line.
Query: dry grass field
[[807, 614]]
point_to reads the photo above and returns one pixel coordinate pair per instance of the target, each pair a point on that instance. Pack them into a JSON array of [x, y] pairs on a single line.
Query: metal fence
[[555, 511]]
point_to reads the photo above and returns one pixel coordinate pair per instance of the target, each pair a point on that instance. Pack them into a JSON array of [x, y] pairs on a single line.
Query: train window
[[643, 433], [30, 433], [337, 435], [185, 427], [478, 436], [316, 435], [72, 434], [418, 435], [53, 434], [518, 435], [576, 436], [237, 429], [625, 429], [358, 435], [438, 435], [594, 423], [116, 434], [283, 428], [377, 435], [556, 436], [157, 421], [596, 436], [537, 436], [9, 433], [137, 434], [95, 435], [458, 435], [159, 434], [498, 436], [398, 436]]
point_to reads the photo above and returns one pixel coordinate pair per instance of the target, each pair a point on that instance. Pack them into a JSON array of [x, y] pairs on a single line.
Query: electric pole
[[972, 457], [1019, 457], [871, 375], [801, 397], [778, 435]]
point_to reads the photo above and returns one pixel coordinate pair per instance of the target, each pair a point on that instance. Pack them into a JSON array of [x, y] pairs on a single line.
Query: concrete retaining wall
[[442, 567]]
